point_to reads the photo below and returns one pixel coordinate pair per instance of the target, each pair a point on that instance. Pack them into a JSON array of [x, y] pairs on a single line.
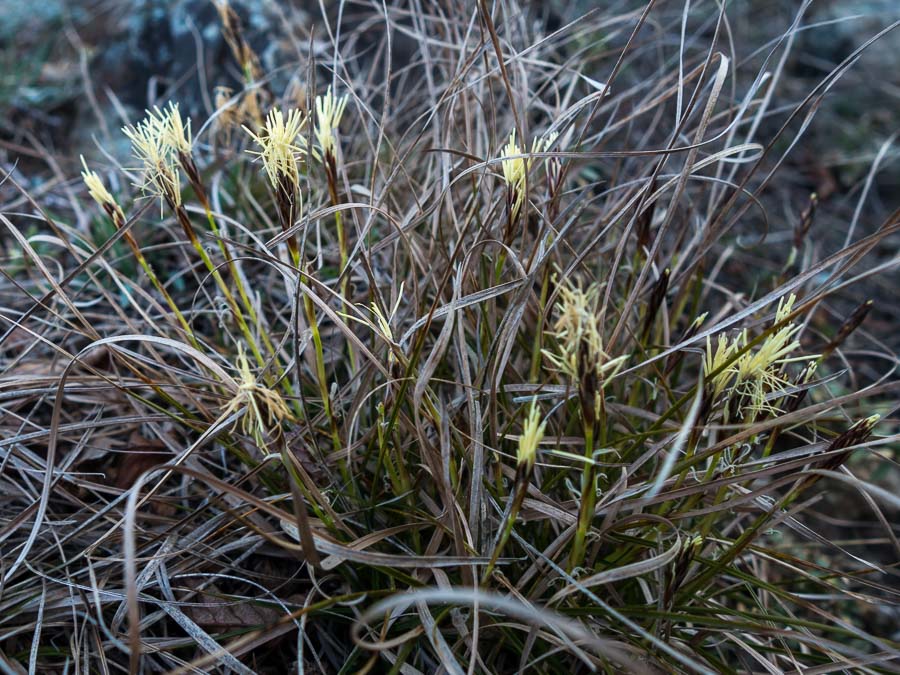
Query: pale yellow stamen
[[151, 143], [381, 323], [532, 434], [329, 110], [756, 374], [95, 186], [265, 408], [175, 132], [282, 146], [515, 169], [578, 332], [715, 361]]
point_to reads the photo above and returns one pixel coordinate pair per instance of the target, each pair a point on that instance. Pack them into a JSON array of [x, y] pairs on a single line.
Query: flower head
[[95, 186], [282, 146], [858, 433], [580, 354], [154, 141], [750, 375], [329, 110], [714, 365], [265, 408], [175, 132], [577, 329], [101, 195], [532, 433], [516, 168], [380, 323]]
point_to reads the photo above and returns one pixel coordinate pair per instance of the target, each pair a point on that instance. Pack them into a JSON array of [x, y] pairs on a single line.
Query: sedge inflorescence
[[752, 378], [380, 323], [282, 146], [578, 332], [580, 354], [264, 408], [532, 434], [100, 194], [515, 167], [329, 110], [157, 141]]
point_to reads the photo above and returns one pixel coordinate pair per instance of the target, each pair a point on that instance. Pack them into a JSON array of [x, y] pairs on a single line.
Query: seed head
[[329, 110], [282, 146]]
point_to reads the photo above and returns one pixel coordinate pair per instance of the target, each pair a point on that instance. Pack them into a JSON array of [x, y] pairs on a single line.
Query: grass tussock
[[459, 363]]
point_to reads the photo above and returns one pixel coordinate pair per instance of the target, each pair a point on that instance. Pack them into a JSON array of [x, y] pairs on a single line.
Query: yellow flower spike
[[579, 354], [381, 323], [515, 169], [151, 145], [870, 422], [95, 186], [578, 332], [102, 196], [282, 146], [754, 376], [715, 360], [175, 133], [532, 434], [265, 408], [785, 307], [699, 320], [329, 110], [809, 372]]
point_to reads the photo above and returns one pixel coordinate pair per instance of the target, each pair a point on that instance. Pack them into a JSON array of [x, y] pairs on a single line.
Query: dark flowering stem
[[193, 174], [185, 222], [855, 435], [588, 501], [538, 343], [512, 512], [322, 378], [332, 180], [118, 221]]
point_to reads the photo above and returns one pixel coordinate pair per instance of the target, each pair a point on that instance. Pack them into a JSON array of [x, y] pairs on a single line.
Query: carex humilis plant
[[496, 341]]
